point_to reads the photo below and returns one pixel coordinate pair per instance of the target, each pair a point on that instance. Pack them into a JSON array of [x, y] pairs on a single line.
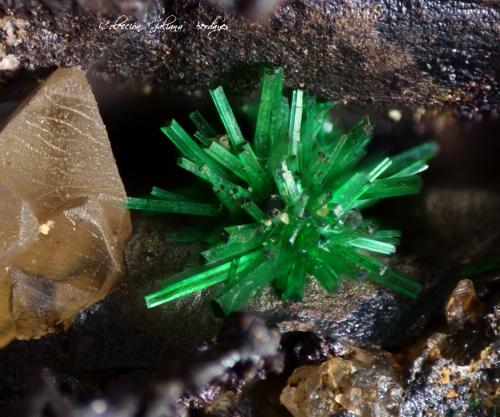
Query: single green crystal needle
[[227, 117], [270, 99], [227, 160], [291, 201], [422, 152], [180, 207], [326, 169], [257, 177], [413, 169], [286, 184], [396, 186], [307, 137], [295, 123], [373, 245], [202, 125], [345, 197], [379, 169], [168, 195], [297, 278], [183, 141], [204, 140]]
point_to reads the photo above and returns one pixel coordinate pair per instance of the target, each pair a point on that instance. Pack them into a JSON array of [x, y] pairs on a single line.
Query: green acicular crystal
[[292, 199]]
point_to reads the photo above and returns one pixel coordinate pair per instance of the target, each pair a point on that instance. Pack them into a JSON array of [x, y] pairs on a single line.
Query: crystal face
[[62, 222], [291, 200]]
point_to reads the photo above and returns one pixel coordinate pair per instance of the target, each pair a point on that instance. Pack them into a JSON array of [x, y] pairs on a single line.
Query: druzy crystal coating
[[292, 199]]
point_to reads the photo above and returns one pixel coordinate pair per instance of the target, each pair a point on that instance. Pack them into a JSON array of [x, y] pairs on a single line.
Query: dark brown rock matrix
[[426, 53]]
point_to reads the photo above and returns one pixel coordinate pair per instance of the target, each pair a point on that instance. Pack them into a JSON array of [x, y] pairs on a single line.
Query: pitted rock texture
[[245, 350], [63, 226], [366, 384], [457, 371], [385, 53]]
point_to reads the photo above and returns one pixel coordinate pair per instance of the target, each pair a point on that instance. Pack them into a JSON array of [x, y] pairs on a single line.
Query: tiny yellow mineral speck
[[323, 211], [44, 229]]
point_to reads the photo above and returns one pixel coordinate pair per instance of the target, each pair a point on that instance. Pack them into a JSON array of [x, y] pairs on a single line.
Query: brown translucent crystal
[[463, 304], [62, 223], [366, 384]]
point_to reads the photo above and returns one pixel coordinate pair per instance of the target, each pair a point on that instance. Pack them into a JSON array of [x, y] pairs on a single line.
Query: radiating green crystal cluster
[[291, 199]]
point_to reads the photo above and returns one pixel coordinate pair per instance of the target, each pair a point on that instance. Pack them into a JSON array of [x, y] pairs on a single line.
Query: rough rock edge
[[428, 54]]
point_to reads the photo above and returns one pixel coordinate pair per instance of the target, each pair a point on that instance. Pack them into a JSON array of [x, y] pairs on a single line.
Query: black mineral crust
[[413, 54]]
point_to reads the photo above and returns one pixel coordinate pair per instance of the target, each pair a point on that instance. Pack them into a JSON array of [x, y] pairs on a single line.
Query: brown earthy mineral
[[62, 223], [367, 384]]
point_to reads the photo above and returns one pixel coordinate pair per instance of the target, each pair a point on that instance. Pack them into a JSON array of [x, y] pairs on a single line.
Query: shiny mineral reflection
[[62, 222]]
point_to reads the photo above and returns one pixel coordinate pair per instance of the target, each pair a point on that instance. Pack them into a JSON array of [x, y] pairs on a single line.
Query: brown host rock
[[62, 222], [365, 384]]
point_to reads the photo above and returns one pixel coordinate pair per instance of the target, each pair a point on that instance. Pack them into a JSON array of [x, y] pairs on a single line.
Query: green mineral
[[291, 199]]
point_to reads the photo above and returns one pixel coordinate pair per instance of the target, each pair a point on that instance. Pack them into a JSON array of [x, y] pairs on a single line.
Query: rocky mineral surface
[[454, 371], [240, 374], [386, 53], [367, 384], [439, 354]]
